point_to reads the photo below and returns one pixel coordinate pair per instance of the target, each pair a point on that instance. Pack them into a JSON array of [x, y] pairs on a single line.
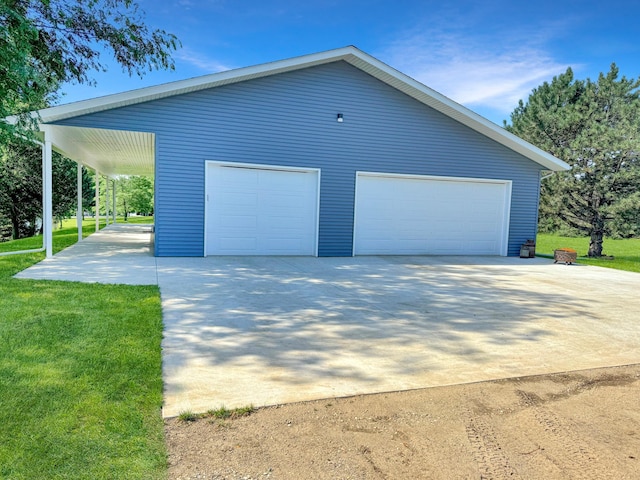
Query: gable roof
[[351, 55]]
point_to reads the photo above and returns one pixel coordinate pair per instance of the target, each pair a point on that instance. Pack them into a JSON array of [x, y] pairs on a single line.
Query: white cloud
[[474, 71], [200, 61]]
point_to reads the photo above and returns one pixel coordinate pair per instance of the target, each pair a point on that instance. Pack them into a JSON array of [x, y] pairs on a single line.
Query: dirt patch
[[578, 425]]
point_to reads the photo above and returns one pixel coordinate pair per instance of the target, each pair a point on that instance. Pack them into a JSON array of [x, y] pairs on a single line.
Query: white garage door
[[253, 210], [430, 215]]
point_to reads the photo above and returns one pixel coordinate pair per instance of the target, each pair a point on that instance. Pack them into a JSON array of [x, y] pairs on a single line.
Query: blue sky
[[485, 55]]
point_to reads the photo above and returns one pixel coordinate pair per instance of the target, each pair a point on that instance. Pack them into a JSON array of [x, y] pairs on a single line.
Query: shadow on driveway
[[270, 330]]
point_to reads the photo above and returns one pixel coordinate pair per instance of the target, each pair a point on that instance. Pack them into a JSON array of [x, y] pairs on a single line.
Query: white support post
[[106, 200], [79, 210], [114, 200], [97, 200], [47, 196]]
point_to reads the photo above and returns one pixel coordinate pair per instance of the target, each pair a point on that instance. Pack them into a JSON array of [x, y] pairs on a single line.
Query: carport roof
[[111, 152], [82, 142]]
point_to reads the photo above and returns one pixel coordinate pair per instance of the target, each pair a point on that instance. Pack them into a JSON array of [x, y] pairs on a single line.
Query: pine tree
[[595, 128]]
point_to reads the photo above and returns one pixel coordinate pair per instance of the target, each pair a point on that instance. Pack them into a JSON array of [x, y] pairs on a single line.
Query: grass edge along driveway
[[80, 376], [622, 254]]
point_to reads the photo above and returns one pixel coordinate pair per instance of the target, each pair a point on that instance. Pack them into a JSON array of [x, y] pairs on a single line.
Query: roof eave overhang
[[349, 54]]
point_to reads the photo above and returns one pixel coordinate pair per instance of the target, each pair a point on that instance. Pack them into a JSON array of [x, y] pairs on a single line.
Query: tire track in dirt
[[366, 453], [492, 462], [561, 444]]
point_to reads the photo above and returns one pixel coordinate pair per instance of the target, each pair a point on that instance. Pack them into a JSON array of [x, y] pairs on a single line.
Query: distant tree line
[[21, 190], [134, 195]]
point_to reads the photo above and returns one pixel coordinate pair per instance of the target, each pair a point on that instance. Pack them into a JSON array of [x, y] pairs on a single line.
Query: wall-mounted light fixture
[[340, 118]]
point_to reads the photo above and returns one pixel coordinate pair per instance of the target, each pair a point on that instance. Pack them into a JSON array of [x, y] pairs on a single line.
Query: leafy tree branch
[[45, 43]]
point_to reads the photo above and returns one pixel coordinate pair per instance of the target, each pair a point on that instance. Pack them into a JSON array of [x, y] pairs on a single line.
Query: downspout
[[547, 175]]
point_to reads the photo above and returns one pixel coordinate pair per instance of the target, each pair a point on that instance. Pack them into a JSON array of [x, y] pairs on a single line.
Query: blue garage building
[[329, 154]]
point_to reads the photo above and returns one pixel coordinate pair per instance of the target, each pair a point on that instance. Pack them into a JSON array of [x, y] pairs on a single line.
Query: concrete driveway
[[271, 330]]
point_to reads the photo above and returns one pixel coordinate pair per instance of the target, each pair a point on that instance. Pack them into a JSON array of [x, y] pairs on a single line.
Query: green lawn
[[625, 253], [80, 375]]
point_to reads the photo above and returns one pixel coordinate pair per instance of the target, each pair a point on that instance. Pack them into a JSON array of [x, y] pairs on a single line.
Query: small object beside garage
[[528, 249], [565, 255]]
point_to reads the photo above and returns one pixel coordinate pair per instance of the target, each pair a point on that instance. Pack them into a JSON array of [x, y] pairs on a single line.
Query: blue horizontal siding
[[290, 119]]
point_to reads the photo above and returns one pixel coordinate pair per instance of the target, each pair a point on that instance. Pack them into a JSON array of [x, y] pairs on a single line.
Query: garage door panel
[[484, 207], [232, 177], [240, 244], [238, 221], [236, 199], [480, 246], [485, 228], [288, 202], [275, 224], [230, 209], [280, 179], [426, 215], [451, 247], [284, 244], [261, 211], [446, 231]]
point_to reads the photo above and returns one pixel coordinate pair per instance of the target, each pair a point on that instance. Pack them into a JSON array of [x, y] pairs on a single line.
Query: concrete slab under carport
[[119, 253], [271, 330]]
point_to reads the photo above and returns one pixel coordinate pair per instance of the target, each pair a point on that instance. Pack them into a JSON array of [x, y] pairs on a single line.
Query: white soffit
[[111, 152], [351, 55]]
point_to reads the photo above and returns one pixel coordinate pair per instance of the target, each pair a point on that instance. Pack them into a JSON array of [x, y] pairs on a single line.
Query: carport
[[107, 152]]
